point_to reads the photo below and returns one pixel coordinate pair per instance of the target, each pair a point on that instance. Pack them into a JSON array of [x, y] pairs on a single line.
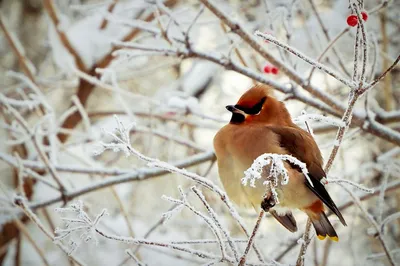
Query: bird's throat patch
[[237, 118]]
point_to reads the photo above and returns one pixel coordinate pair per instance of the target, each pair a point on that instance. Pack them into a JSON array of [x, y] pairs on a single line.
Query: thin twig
[[217, 222], [327, 48], [387, 83], [306, 241], [340, 134], [251, 238], [356, 54], [134, 258], [213, 227], [375, 81], [21, 202], [49, 165], [22, 228], [123, 211], [110, 9], [326, 33], [39, 150], [137, 241], [374, 224], [51, 10], [364, 46], [22, 59], [327, 246], [305, 58]]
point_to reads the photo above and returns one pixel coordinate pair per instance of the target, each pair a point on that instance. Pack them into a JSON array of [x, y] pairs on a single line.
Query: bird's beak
[[233, 109]]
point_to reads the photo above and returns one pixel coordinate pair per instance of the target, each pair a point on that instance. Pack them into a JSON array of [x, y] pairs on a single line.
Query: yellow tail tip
[[334, 238], [321, 237]]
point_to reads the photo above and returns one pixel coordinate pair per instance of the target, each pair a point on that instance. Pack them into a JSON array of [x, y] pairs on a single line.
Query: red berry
[[352, 20], [274, 70], [267, 69], [364, 15]]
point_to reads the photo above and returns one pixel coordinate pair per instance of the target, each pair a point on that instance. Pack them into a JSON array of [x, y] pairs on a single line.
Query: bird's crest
[[254, 95]]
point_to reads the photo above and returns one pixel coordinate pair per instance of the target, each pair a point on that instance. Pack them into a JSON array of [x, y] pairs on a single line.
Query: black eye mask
[[254, 109]]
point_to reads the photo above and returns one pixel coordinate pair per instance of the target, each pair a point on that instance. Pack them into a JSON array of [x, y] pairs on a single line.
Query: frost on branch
[[78, 223], [271, 167], [304, 117], [120, 137], [211, 222]]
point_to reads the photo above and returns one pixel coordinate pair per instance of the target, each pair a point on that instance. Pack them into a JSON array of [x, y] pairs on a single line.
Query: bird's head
[[257, 106]]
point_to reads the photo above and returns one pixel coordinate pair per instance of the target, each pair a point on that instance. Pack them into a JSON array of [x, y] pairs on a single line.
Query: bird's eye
[[255, 109]]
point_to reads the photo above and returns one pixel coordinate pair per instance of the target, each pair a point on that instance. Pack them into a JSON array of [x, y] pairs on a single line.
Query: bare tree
[[115, 101]]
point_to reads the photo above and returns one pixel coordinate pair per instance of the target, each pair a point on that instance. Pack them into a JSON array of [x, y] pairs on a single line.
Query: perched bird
[[262, 124]]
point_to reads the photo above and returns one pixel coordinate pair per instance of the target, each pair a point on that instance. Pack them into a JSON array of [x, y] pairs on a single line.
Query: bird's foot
[[268, 203]]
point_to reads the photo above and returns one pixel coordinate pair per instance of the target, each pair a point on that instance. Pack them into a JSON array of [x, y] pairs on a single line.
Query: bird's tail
[[323, 227]]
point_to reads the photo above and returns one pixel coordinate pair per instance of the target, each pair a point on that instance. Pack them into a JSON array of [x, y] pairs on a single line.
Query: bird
[[261, 124]]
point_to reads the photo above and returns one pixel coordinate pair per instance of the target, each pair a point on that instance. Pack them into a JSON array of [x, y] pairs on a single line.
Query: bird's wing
[[301, 145], [287, 220]]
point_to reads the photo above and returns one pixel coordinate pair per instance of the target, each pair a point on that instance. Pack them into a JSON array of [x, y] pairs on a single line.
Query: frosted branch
[[217, 222], [389, 219], [22, 203], [134, 258], [82, 225], [351, 183], [320, 118], [210, 223], [275, 174], [305, 58]]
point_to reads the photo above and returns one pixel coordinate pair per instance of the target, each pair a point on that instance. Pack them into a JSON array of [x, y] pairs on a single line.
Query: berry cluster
[[271, 69], [352, 20]]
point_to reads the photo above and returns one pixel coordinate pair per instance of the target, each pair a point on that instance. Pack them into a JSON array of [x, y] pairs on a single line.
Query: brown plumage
[[261, 124]]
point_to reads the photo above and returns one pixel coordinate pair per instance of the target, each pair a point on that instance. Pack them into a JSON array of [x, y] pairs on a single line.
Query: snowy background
[[109, 108]]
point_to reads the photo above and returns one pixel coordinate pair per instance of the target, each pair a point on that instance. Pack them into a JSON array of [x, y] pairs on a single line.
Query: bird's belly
[[295, 194], [241, 195]]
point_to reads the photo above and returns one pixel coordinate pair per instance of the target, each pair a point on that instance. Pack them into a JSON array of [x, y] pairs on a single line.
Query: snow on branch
[[275, 172], [82, 225], [304, 117], [216, 220], [22, 202], [121, 139], [277, 168], [389, 219], [134, 258], [210, 223], [315, 64], [351, 183], [121, 142], [79, 222]]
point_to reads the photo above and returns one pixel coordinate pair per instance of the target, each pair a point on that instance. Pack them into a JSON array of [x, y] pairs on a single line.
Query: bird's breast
[[233, 147]]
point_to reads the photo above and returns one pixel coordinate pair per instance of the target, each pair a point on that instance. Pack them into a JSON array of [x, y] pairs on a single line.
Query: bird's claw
[[267, 203]]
